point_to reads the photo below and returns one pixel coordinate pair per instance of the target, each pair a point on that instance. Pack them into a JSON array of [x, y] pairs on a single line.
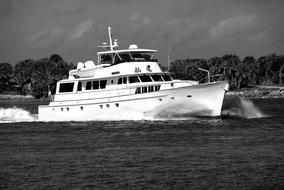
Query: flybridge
[[132, 54]]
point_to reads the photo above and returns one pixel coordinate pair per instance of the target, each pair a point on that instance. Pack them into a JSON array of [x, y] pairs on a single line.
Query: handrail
[[208, 73], [212, 76]]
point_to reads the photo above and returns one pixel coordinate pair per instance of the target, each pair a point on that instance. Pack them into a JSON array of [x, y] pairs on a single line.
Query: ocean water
[[244, 149]]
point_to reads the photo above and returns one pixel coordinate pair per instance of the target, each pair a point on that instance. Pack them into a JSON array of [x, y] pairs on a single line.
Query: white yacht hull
[[197, 100]]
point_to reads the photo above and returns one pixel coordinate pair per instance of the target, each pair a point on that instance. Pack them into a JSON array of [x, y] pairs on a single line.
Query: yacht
[[128, 84]]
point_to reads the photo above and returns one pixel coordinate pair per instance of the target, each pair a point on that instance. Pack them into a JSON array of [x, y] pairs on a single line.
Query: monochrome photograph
[[138, 94]]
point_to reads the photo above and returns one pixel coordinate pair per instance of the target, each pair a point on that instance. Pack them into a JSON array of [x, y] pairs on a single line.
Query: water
[[242, 150]]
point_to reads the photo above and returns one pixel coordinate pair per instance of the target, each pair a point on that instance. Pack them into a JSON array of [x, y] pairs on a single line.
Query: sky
[[190, 28]]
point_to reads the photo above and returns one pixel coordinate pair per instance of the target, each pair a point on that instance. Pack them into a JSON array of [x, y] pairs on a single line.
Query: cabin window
[[117, 59], [106, 58], [138, 90], [89, 85], [66, 87], [119, 81], [144, 89], [157, 78], [137, 56], [124, 80], [125, 57], [79, 87], [145, 78], [157, 88], [167, 78], [103, 84], [96, 85], [150, 88], [133, 79], [142, 56]]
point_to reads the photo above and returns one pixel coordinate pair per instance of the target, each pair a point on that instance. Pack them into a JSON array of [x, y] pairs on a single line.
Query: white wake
[[238, 107], [15, 114]]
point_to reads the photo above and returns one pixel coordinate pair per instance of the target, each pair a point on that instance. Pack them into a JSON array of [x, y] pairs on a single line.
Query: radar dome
[[133, 46]]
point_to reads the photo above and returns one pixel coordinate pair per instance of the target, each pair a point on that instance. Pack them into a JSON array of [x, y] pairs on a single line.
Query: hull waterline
[[197, 100]]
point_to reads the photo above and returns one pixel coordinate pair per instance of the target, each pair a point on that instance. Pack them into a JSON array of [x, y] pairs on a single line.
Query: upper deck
[[117, 62]]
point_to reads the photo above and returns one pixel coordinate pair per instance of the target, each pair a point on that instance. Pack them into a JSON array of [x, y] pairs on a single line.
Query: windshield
[[121, 57], [142, 56]]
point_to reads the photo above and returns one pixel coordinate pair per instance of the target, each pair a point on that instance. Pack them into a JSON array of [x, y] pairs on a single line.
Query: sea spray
[[241, 107], [250, 110], [179, 110], [15, 115]]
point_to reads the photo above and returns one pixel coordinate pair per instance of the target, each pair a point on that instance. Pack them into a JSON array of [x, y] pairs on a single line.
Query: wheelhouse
[[133, 54]]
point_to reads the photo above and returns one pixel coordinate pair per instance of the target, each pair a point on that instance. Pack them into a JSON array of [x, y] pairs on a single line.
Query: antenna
[[169, 57]]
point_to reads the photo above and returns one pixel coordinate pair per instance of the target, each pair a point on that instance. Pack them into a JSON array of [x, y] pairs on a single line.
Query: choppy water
[[243, 150]]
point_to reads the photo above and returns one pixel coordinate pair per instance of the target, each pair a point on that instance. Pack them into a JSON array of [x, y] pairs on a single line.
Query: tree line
[[265, 70], [34, 77], [39, 77]]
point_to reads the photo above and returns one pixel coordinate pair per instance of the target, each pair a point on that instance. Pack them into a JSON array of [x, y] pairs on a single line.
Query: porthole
[[61, 109], [107, 105], [67, 109], [101, 106], [117, 104], [160, 99], [81, 108]]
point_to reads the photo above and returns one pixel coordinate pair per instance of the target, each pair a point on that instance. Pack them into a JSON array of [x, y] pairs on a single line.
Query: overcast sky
[[193, 28]]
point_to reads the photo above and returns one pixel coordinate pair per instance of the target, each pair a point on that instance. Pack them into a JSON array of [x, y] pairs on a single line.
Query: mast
[[110, 39], [111, 45]]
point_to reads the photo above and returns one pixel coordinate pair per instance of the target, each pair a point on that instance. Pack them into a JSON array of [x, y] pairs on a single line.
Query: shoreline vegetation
[[16, 97], [248, 77], [261, 92]]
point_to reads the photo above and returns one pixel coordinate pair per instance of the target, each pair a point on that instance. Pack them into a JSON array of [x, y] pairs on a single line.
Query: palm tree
[[6, 71]]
